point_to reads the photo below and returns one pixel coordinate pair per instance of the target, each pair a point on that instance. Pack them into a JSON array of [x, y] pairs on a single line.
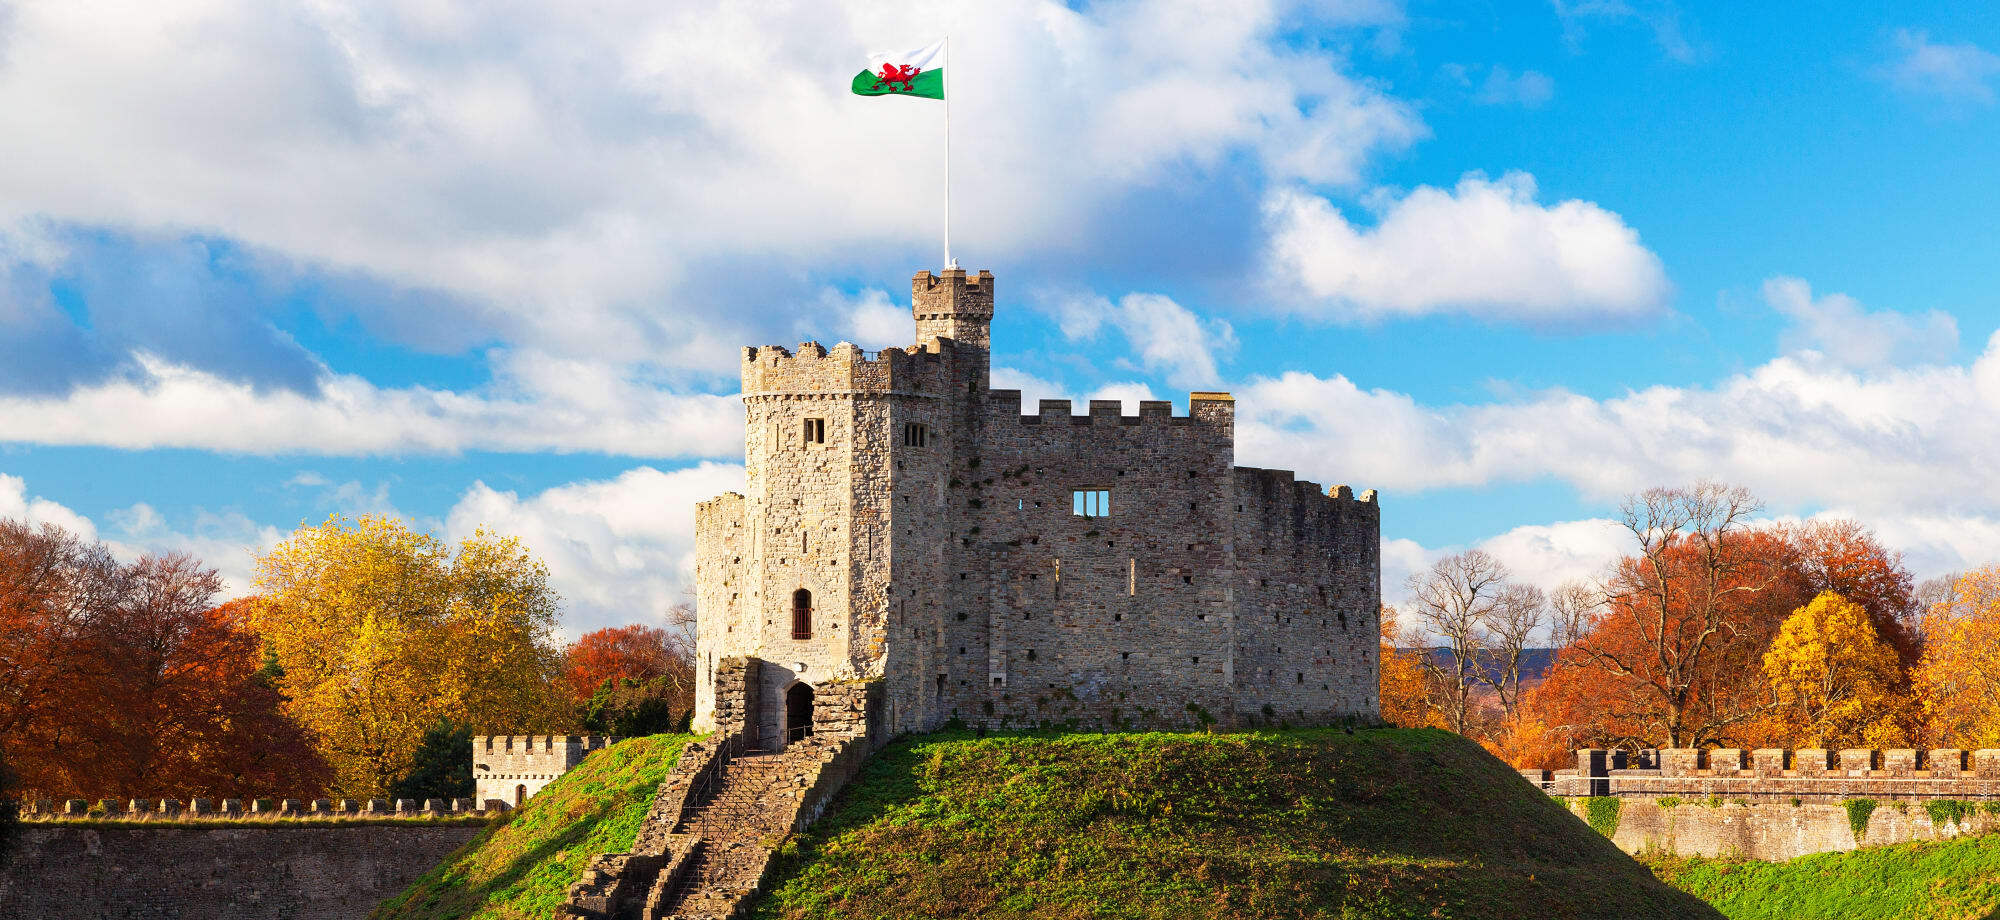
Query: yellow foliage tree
[[383, 631], [1958, 679], [1833, 679]]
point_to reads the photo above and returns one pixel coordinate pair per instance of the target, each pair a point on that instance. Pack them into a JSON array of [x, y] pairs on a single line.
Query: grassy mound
[[1911, 881], [1319, 823], [523, 865]]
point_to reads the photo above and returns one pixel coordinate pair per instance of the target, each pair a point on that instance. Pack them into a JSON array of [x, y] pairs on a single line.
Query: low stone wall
[[240, 872], [1775, 831]]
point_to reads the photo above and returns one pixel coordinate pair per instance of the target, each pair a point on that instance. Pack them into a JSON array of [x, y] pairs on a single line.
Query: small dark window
[[1302, 677], [1090, 502], [914, 434], [1031, 654], [815, 431], [802, 614]]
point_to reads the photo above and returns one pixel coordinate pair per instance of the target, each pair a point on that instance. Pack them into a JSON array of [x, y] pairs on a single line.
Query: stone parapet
[[205, 811], [1769, 774]]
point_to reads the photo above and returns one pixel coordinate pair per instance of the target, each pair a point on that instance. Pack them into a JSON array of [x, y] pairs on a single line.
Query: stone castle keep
[[912, 548]]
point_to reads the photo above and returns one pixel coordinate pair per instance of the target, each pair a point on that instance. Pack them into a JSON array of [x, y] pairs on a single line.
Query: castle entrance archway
[[798, 712]]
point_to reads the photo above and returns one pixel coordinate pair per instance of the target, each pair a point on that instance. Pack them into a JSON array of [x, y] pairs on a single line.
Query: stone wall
[[510, 769], [1775, 831], [1773, 775], [932, 528], [279, 872]]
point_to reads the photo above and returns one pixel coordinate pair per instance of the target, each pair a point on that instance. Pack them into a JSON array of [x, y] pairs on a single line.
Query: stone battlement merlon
[[1773, 773], [813, 369], [1211, 409], [525, 744]]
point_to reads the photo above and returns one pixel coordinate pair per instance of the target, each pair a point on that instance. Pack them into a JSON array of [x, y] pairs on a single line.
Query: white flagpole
[[948, 263]]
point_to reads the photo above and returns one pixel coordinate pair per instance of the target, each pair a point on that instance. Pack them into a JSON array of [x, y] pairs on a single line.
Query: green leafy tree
[[628, 708], [442, 766]]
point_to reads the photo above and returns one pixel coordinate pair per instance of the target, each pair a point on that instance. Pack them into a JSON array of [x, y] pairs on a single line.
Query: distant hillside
[[1954, 880], [523, 866], [1535, 662], [1386, 823]]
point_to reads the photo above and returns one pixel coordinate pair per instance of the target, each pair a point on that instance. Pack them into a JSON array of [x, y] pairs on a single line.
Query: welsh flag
[[906, 73]]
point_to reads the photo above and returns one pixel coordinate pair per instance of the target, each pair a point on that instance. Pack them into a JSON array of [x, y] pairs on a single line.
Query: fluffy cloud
[[538, 403], [1956, 72], [228, 541], [1170, 339], [1544, 555], [17, 504], [1485, 248], [625, 183], [619, 551], [1799, 431], [1837, 327]]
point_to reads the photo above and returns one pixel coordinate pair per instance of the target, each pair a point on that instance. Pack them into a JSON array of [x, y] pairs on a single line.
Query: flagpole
[[948, 263]]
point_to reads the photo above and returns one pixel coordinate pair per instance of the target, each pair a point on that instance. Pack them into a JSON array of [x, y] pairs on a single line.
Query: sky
[[491, 264]]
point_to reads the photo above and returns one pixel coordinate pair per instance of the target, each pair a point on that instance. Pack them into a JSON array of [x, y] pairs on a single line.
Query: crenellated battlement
[[813, 369], [1210, 409], [202, 810], [1809, 774], [509, 769]]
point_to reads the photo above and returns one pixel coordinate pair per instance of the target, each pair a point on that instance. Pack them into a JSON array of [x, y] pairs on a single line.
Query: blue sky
[[478, 264]]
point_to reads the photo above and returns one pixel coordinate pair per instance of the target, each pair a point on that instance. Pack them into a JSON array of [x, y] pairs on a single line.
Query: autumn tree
[[636, 652], [382, 632], [1834, 680], [1958, 682], [125, 680], [1843, 557], [1514, 620], [1679, 623], [1452, 601], [1403, 699]]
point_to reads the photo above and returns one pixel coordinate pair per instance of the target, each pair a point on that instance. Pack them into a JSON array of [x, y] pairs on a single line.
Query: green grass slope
[[1949, 880], [1377, 824], [522, 867]]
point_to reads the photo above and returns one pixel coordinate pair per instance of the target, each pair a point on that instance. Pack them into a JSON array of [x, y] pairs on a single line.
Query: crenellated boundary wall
[[1776, 804]]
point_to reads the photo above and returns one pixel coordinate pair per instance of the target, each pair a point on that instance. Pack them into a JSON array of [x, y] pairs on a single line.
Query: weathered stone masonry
[[908, 525], [510, 769]]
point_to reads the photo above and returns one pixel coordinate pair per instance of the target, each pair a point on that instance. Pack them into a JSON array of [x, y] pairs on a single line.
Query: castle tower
[[953, 306]]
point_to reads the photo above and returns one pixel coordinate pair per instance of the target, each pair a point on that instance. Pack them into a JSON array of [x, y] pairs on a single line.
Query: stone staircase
[[709, 836]]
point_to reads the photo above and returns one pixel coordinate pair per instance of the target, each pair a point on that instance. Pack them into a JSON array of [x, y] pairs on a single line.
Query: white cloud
[[537, 403], [1957, 72], [17, 504], [1128, 394], [1483, 249], [873, 322], [227, 541], [1836, 326], [1802, 433], [1661, 17], [1529, 89], [1169, 339], [1033, 389], [628, 183], [619, 550]]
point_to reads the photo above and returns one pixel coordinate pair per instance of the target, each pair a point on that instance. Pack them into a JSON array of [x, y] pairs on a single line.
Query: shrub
[[1858, 811], [1602, 813], [1947, 811], [1669, 801]]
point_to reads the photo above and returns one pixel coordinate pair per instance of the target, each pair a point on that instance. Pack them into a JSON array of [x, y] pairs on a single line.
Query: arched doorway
[[520, 795], [798, 712]]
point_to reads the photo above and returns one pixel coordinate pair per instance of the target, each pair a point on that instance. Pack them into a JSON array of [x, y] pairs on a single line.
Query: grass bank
[[1949, 880], [1377, 824], [522, 866]]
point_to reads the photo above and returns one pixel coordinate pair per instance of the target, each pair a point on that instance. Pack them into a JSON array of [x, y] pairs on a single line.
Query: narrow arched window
[[802, 614]]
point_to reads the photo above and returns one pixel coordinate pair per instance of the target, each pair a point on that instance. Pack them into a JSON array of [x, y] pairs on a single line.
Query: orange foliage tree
[[125, 680], [1403, 697], [637, 652]]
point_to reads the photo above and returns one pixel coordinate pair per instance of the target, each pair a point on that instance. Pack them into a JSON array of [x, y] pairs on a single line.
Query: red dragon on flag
[[894, 74]]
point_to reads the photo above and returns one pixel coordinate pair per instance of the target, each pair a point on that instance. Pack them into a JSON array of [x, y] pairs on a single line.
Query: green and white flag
[[906, 73]]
